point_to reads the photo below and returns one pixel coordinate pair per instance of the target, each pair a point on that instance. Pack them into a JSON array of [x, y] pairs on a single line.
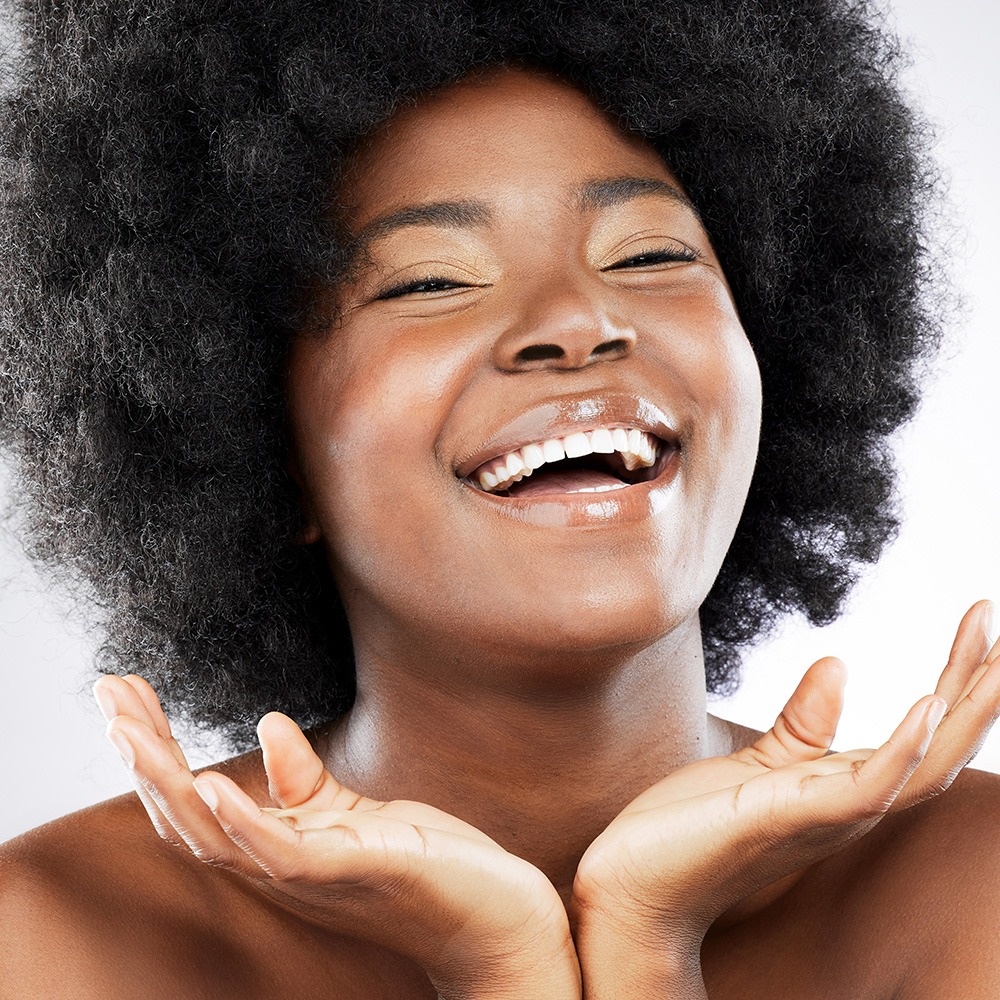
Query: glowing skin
[[557, 638], [421, 379]]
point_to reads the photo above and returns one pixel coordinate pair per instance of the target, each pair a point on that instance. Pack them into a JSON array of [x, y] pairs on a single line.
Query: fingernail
[[208, 794], [106, 702], [990, 622], [122, 745], [936, 713]]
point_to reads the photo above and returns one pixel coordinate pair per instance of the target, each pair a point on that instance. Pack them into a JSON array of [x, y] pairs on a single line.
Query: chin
[[593, 616]]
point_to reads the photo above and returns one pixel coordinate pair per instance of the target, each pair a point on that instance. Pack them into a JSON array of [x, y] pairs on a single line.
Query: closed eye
[[431, 284], [421, 286], [678, 255]]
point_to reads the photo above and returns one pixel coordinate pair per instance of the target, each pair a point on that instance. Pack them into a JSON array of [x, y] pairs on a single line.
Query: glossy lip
[[563, 415], [589, 510], [558, 417]]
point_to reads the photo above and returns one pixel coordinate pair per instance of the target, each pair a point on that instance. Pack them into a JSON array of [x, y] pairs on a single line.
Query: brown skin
[[533, 680], [530, 687]]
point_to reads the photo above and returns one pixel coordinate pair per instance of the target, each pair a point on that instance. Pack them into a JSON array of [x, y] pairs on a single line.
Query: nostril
[[540, 352], [618, 346]]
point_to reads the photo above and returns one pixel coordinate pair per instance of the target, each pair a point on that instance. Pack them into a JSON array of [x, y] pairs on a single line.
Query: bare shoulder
[[926, 885], [90, 904], [911, 911], [96, 905]]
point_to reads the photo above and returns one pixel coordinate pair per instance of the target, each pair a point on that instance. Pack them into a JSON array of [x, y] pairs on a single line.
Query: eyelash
[[428, 284], [653, 257], [665, 256]]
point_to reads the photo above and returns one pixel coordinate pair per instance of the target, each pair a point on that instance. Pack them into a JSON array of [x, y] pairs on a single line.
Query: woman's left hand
[[714, 832]]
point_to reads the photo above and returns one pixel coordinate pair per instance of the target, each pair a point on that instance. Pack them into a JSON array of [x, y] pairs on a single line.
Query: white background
[[898, 628]]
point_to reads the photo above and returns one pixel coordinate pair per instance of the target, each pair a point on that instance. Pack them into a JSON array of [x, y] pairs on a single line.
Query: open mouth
[[595, 461]]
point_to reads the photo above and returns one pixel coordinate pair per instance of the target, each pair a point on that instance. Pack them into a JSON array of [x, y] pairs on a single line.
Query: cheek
[[712, 368], [727, 429], [729, 398], [699, 342], [365, 422], [367, 416]]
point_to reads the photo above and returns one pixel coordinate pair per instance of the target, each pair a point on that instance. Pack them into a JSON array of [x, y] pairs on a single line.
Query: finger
[[106, 693], [336, 846], [808, 723], [278, 846], [295, 775], [135, 698], [117, 697], [842, 789], [969, 650], [157, 719], [958, 739], [837, 763], [307, 819], [169, 784], [868, 789], [993, 656]]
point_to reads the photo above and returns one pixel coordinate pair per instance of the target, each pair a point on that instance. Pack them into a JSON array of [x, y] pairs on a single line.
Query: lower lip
[[590, 510]]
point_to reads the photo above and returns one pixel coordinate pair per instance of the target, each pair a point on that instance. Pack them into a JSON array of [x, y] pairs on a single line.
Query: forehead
[[501, 133]]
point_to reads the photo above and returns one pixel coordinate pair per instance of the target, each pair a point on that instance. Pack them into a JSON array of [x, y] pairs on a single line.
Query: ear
[[310, 533]]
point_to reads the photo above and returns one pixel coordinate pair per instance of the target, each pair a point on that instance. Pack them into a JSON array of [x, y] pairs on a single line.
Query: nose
[[563, 328]]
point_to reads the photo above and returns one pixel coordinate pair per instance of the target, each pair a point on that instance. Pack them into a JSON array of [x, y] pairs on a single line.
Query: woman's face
[[528, 274]]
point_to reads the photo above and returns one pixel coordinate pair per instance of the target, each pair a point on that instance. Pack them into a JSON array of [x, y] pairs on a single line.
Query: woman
[[325, 304]]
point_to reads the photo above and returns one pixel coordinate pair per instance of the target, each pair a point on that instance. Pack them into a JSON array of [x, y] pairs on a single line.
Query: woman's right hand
[[481, 922]]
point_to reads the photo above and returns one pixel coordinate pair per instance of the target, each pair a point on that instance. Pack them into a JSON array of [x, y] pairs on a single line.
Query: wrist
[[538, 982], [620, 960], [549, 974]]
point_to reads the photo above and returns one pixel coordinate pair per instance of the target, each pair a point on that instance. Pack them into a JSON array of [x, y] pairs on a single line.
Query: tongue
[[562, 481]]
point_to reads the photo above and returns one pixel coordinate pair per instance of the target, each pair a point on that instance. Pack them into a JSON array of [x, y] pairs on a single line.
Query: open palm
[[717, 830], [402, 873]]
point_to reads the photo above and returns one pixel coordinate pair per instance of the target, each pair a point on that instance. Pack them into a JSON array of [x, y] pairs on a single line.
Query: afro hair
[[164, 170]]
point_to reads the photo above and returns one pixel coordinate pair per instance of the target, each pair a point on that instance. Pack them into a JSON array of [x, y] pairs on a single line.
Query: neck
[[542, 768]]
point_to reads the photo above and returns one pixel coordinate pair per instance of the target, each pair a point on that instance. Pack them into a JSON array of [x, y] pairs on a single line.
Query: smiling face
[[533, 283]]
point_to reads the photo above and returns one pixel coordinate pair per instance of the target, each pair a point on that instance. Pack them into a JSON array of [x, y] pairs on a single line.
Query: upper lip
[[561, 415]]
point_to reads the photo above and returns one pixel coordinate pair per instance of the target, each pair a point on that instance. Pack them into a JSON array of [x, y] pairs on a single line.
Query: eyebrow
[[464, 214], [606, 193], [468, 213]]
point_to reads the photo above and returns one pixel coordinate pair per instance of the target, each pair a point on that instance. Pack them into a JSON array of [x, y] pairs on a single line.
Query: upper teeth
[[638, 450]]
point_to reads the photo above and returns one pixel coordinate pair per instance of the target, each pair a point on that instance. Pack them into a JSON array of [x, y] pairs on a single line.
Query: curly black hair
[[165, 178]]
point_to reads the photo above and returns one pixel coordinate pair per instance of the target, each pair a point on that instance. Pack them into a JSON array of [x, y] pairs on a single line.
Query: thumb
[[808, 723], [295, 774]]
